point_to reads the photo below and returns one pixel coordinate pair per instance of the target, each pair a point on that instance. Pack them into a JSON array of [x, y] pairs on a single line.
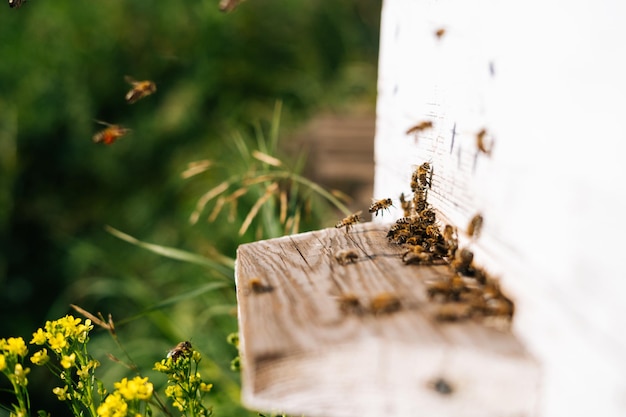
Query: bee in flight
[[16, 3], [140, 89], [349, 221], [481, 142], [421, 126], [381, 205], [109, 135], [181, 349]]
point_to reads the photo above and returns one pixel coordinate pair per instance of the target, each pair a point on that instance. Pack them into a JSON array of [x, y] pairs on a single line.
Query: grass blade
[[225, 267]]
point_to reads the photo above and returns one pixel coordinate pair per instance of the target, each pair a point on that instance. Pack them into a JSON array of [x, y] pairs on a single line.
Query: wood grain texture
[[303, 354]]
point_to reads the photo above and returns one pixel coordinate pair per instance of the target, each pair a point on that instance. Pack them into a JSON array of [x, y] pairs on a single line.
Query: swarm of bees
[[468, 292], [180, 350]]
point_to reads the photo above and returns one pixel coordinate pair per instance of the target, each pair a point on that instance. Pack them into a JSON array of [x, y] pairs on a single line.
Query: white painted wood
[[547, 79]]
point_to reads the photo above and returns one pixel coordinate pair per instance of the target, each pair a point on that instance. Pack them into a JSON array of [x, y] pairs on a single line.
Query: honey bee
[[421, 126], [462, 262], [406, 206], [425, 174], [481, 142], [417, 254], [440, 32], [350, 304], [349, 221], [448, 289], [109, 135], [501, 307], [385, 303], [16, 3], [181, 349], [258, 287], [441, 386], [453, 312], [420, 200], [451, 240], [475, 226], [140, 89], [346, 256], [380, 205]]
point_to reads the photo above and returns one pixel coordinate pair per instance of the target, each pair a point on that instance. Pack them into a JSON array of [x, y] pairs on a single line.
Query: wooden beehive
[[544, 81]]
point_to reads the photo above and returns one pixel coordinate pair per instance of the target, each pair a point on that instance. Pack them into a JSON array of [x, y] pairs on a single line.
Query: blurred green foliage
[[62, 65]]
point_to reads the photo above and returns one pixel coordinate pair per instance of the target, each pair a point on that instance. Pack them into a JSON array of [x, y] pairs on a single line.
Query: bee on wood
[[406, 206], [181, 349], [417, 255], [448, 289], [258, 287], [425, 174], [109, 135], [350, 304], [440, 32], [481, 142], [453, 312], [349, 221], [16, 3], [462, 262], [385, 303], [380, 205], [140, 89], [451, 240], [475, 226], [419, 127], [346, 256]]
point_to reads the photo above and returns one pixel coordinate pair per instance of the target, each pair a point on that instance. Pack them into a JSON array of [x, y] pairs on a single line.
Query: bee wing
[[130, 80], [103, 123]]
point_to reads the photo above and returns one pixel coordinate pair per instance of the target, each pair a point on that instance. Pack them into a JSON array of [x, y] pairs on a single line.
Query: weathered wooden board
[[303, 354]]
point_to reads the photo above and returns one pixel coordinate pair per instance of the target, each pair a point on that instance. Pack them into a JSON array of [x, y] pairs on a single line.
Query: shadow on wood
[[322, 336]]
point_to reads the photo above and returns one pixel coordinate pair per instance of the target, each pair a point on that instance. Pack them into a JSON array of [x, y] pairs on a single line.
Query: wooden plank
[[302, 353]]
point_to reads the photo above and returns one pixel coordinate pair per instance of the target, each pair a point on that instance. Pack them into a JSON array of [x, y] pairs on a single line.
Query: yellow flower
[[205, 387], [137, 388], [3, 362], [14, 346], [82, 330], [61, 393], [113, 406], [57, 342], [20, 374], [41, 357], [161, 366], [67, 325], [39, 337], [68, 361]]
